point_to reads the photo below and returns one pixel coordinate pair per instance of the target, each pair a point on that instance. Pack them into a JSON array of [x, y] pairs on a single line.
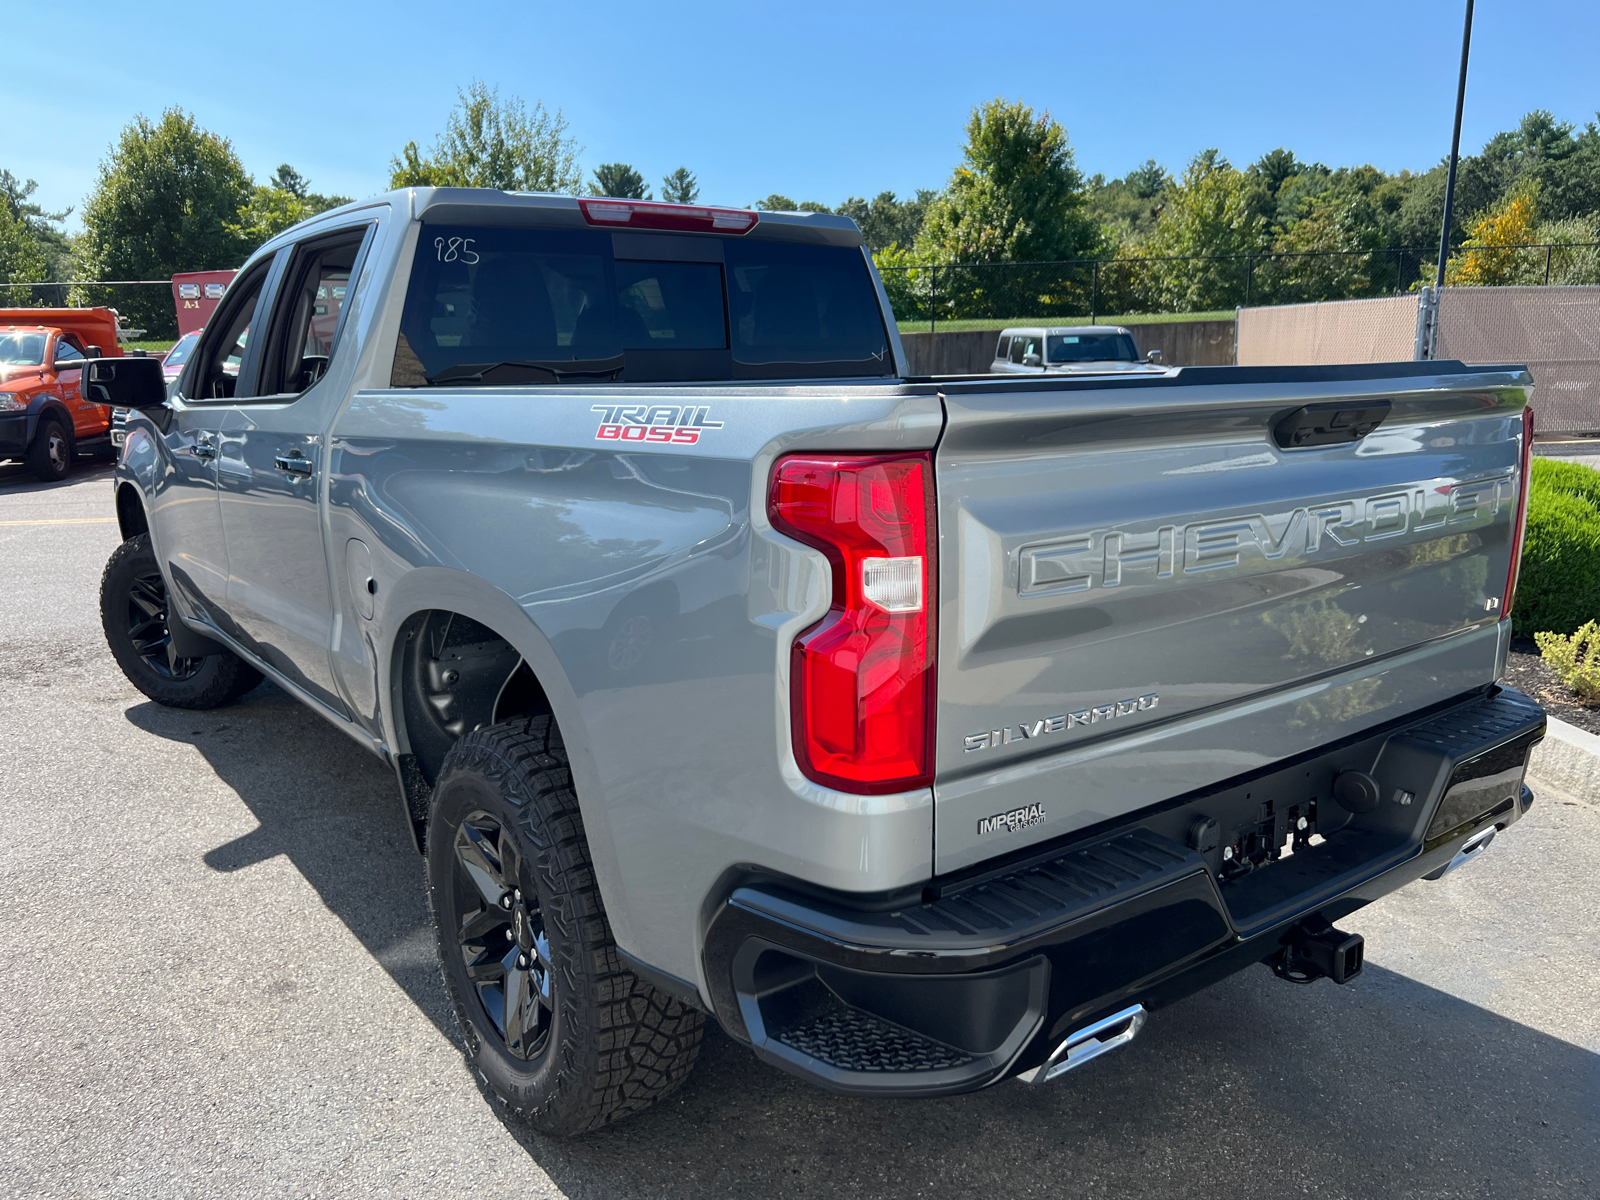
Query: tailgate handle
[[1328, 424]]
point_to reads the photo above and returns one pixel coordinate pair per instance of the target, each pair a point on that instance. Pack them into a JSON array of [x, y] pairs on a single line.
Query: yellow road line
[[65, 521]]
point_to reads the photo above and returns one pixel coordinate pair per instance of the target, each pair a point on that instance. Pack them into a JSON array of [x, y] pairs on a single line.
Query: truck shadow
[[1384, 1087], [334, 811], [16, 476]]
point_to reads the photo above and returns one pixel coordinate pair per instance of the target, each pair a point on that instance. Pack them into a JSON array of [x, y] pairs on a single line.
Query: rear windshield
[[520, 306], [1091, 347]]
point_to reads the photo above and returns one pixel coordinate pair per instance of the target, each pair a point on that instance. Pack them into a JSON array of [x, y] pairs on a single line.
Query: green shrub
[[1560, 583], [1575, 660]]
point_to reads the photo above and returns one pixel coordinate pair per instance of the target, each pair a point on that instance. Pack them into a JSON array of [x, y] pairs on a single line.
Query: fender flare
[[48, 404], [426, 588]]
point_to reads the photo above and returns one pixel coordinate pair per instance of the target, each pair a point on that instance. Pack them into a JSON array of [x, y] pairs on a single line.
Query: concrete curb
[[1569, 758]]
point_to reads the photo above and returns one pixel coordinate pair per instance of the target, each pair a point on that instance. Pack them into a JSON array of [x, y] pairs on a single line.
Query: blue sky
[[816, 100]]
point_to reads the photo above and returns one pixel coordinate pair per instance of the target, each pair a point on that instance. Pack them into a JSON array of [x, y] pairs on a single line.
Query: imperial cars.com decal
[[1010, 822]]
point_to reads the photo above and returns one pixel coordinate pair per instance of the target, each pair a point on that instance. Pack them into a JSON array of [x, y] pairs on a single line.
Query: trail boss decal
[[1010, 822], [653, 423], [1059, 723]]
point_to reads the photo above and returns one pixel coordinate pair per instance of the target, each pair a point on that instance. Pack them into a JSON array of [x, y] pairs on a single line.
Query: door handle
[[203, 450], [294, 463]]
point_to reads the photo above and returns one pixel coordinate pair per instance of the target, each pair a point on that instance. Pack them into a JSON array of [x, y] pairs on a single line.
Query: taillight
[[863, 677], [687, 218], [1524, 483]]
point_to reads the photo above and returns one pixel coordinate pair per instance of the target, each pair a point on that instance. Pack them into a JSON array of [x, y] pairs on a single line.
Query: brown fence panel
[[1336, 331], [1554, 331]]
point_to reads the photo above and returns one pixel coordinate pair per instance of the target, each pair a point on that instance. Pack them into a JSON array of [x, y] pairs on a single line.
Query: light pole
[[1455, 151]]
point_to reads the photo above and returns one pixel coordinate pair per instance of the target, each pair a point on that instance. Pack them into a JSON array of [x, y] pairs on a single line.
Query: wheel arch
[[45, 407], [132, 520], [417, 605]]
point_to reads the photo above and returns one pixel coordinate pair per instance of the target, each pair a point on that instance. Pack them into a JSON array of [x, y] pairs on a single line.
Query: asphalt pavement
[[216, 979]]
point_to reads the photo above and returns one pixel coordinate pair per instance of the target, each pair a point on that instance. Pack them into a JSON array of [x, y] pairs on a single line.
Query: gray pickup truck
[[927, 732]]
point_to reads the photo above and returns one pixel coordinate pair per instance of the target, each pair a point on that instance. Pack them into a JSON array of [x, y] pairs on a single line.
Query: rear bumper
[[979, 976]]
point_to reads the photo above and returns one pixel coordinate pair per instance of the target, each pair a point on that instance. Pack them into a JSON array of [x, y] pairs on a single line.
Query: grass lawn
[[148, 346], [1226, 314]]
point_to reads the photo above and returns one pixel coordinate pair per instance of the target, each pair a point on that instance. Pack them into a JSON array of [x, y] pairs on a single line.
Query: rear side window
[[1003, 348], [520, 306]]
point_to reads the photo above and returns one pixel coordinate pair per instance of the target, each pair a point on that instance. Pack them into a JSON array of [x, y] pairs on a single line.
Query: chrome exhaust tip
[[1472, 848], [1088, 1043]]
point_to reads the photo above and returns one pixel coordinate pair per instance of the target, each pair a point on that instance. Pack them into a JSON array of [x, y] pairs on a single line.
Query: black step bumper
[[977, 977]]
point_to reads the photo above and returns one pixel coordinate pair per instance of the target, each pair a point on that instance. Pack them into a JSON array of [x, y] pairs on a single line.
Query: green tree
[[886, 220], [777, 203], [1016, 196], [494, 144], [267, 213], [284, 200], [21, 260], [1126, 208], [1212, 211], [166, 199], [31, 237], [681, 187], [287, 179], [619, 181]]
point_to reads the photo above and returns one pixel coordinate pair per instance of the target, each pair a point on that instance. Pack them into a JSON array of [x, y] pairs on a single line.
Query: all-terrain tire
[[51, 453], [134, 615], [609, 1044]]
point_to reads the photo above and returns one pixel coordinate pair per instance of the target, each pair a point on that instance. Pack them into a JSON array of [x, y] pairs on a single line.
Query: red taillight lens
[[687, 218], [863, 677], [1524, 483]]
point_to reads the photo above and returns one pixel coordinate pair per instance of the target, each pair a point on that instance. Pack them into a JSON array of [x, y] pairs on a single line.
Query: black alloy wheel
[[551, 1016], [147, 629], [500, 932], [136, 616]]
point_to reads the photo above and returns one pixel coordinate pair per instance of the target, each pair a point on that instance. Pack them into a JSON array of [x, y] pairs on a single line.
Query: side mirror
[[1153, 356], [1032, 360], [91, 351], [125, 382]]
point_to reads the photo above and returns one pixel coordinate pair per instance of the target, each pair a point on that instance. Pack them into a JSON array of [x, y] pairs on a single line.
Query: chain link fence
[[1077, 290]]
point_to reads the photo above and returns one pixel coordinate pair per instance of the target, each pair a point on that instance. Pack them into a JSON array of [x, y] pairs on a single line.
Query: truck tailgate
[[1142, 593]]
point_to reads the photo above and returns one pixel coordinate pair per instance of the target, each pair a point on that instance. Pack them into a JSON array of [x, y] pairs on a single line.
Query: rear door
[[271, 469], [1143, 592]]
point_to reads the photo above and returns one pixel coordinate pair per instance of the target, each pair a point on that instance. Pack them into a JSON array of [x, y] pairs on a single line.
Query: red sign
[[196, 294]]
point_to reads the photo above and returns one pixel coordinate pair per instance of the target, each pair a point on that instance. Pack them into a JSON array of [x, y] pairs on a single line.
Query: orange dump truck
[[43, 416]]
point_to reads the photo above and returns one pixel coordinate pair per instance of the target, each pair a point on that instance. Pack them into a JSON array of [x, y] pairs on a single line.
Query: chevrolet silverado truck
[[44, 419], [924, 732]]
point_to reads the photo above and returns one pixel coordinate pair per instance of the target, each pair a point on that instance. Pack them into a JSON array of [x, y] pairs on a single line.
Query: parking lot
[[217, 979]]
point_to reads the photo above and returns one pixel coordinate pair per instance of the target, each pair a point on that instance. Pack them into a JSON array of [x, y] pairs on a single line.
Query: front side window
[[68, 355], [226, 338], [308, 310], [519, 306], [1092, 347]]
